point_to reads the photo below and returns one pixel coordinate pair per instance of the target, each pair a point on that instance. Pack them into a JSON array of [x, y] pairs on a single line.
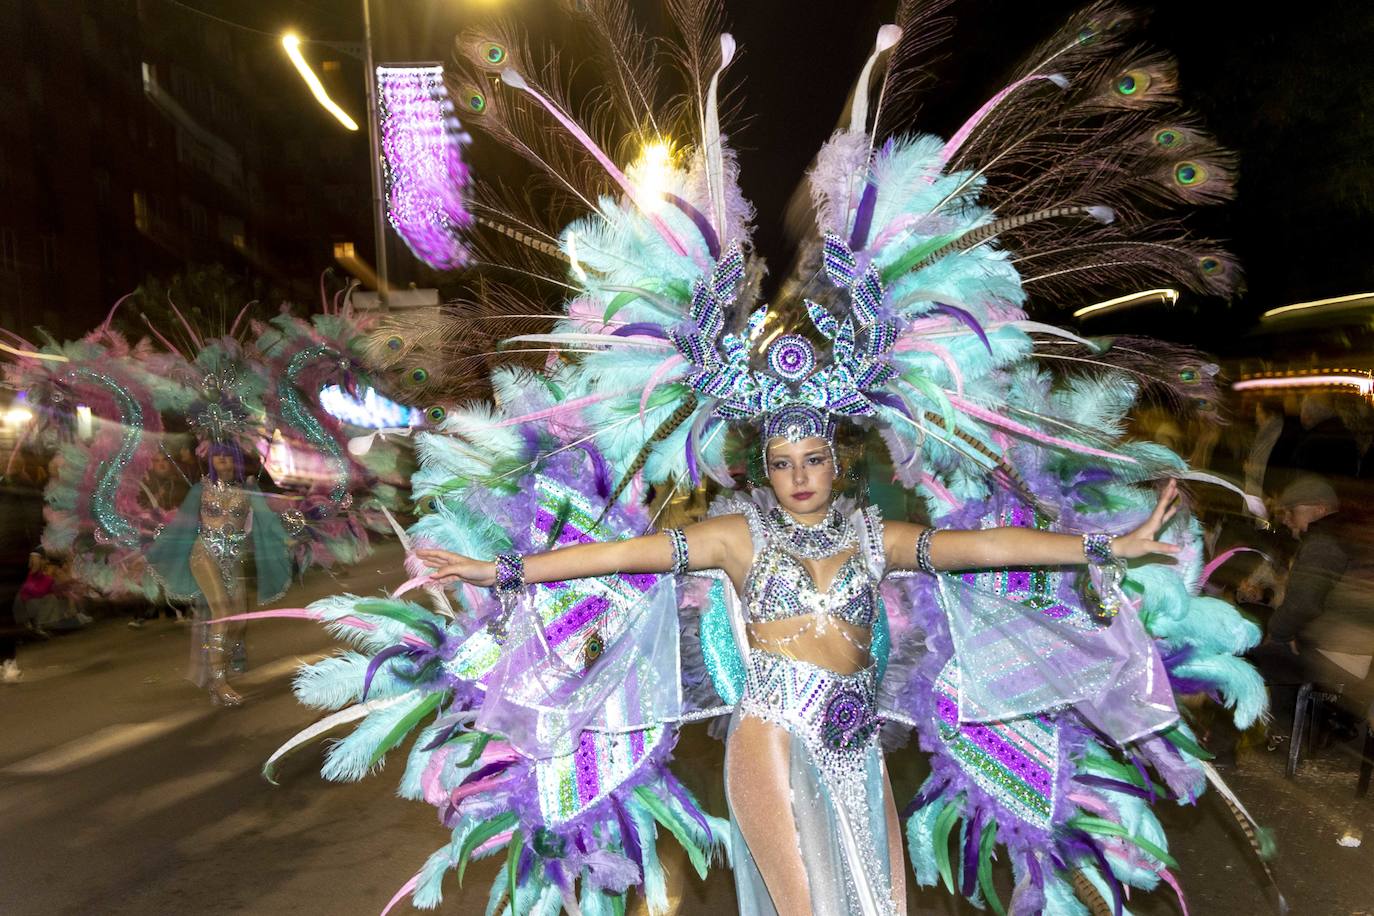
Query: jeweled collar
[[833, 534]]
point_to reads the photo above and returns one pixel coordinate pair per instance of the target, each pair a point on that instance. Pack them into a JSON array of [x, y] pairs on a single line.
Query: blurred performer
[[223, 536]]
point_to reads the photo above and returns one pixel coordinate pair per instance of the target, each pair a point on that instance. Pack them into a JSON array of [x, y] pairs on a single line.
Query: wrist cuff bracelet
[[510, 572], [923, 551], [1097, 548], [678, 540]]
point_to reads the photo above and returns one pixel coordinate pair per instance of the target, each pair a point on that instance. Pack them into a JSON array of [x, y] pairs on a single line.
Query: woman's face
[[802, 474], [223, 465]]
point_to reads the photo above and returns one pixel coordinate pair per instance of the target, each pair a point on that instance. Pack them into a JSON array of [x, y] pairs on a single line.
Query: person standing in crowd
[[21, 523], [1323, 629]]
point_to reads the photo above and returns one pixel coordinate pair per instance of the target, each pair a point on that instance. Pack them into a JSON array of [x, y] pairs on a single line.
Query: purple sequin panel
[[995, 746]]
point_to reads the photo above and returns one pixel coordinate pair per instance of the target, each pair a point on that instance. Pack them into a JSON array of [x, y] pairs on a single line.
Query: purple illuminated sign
[[426, 178]]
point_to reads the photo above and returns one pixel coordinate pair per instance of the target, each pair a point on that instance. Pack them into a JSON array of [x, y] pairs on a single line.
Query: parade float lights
[[426, 179], [1166, 296], [292, 43]]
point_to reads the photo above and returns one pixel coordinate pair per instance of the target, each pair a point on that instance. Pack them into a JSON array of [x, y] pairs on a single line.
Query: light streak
[[1166, 295], [292, 43], [1354, 298]]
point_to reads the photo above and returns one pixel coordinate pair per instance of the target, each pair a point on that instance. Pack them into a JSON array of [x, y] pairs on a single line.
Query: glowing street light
[[292, 43]]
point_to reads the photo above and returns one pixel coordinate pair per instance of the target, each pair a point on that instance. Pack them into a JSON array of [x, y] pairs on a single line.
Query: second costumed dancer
[[1041, 682]]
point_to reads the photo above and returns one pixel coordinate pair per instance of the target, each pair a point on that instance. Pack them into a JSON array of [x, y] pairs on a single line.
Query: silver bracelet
[[923, 551], [1097, 549], [677, 539]]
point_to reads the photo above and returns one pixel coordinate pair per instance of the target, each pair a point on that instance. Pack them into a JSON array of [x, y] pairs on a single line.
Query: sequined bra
[[779, 586]]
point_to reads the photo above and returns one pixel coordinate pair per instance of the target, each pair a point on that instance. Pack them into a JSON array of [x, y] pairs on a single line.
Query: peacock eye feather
[[436, 414], [1087, 34], [493, 53], [476, 101], [1189, 174], [1188, 375], [426, 505], [1209, 265], [417, 376], [394, 343], [1133, 82], [1168, 138]]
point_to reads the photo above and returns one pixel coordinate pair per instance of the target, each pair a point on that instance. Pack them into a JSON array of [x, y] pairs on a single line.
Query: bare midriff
[[819, 639]]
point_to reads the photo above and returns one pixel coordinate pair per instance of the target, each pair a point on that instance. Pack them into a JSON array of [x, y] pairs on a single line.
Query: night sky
[[1292, 91]]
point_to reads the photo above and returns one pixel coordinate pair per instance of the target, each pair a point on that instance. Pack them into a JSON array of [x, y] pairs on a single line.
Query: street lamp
[[291, 42]]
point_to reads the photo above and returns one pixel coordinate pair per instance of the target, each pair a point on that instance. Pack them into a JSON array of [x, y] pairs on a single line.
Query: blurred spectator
[[47, 599], [1322, 629]]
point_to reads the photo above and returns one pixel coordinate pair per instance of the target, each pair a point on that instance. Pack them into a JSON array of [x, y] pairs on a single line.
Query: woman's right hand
[[454, 567]]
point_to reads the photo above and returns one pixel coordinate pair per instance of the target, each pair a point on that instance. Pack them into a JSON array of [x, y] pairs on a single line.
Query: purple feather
[[601, 472], [863, 217], [490, 769], [1145, 776], [975, 833], [531, 437], [629, 834], [708, 233], [966, 318], [522, 870], [890, 401], [381, 658], [640, 329], [692, 463], [1114, 785]]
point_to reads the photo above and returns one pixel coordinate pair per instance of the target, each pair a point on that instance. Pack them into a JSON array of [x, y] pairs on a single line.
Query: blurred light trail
[[1354, 300], [1167, 296], [1363, 382], [292, 43]]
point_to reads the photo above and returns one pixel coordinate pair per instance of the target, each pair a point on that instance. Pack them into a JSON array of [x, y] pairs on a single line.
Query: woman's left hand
[[1141, 542]]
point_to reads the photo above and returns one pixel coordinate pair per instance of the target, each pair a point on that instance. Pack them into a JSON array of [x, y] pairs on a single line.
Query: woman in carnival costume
[[1041, 682], [807, 787], [225, 539]]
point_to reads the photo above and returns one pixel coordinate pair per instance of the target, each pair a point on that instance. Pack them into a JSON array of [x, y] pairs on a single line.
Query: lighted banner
[[426, 178]]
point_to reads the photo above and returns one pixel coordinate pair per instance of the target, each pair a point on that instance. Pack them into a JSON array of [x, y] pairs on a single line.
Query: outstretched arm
[[994, 548], [709, 546]]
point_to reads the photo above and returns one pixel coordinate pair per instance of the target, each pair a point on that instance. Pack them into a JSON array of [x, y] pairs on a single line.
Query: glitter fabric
[[1015, 761], [834, 717]]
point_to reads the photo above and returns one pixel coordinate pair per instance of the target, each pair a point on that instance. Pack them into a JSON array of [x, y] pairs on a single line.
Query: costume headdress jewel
[[796, 398]]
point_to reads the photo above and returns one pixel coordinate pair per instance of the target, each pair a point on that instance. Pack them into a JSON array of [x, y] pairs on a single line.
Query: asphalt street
[[123, 791]]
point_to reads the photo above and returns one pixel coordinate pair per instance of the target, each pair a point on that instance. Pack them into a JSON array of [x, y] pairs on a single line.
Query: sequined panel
[[1014, 761], [571, 783], [779, 587]]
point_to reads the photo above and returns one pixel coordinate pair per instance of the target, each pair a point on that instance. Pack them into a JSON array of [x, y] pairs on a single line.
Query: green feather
[[560, 521], [916, 256], [668, 819], [478, 740], [1103, 827], [403, 727], [1175, 736], [936, 396], [940, 838], [513, 866], [986, 845], [484, 831], [392, 610]]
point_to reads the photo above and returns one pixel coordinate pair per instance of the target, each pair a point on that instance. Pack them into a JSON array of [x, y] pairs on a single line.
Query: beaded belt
[[838, 712]]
